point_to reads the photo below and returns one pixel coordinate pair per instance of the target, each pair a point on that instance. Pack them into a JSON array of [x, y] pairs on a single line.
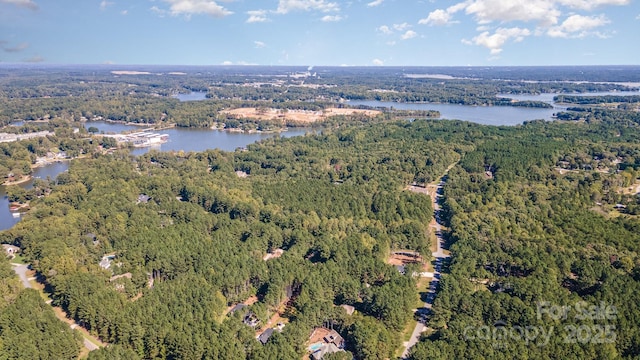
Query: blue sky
[[321, 32]]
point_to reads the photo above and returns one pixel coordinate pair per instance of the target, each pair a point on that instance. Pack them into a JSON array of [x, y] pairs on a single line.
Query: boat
[[15, 215]]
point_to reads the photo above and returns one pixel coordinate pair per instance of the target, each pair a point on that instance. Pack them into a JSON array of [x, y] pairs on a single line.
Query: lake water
[[193, 96], [190, 139], [548, 97], [487, 115], [195, 139], [52, 170], [490, 115], [105, 127], [187, 139]]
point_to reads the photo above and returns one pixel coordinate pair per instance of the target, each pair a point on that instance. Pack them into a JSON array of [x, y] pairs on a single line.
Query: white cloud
[[227, 62], [259, 44], [495, 41], [410, 34], [191, 7], [592, 4], [377, 62], [546, 16], [331, 18], [442, 17], [401, 27], [28, 4], [638, 17], [124, 12], [542, 11], [578, 26], [385, 30], [158, 11], [257, 16], [104, 4], [286, 6], [391, 43], [375, 3], [436, 17]]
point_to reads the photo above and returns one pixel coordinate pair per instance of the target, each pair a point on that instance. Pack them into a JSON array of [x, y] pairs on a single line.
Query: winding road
[[21, 270]]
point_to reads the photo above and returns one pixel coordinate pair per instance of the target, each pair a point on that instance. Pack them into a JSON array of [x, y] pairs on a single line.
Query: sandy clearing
[[304, 116]]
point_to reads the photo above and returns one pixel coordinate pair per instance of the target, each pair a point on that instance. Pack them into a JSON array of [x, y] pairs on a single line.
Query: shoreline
[[53, 161], [23, 180], [253, 131]]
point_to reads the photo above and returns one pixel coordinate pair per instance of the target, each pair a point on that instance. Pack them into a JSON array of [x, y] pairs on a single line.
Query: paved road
[[435, 191], [21, 270]]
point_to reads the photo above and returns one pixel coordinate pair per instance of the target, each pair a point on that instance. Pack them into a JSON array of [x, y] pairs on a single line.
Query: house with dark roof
[[238, 307], [334, 338], [326, 349], [264, 337], [93, 238]]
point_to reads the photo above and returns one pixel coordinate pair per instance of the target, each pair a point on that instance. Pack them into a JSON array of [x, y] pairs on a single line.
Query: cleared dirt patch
[[318, 335], [302, 116], [405, 257], [400, 259], [273, 255]]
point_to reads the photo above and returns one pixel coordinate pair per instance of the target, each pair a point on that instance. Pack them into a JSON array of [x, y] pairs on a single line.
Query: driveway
[[21, 270]]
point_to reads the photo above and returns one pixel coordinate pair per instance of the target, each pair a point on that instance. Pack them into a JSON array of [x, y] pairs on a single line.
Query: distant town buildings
[[6, 137]]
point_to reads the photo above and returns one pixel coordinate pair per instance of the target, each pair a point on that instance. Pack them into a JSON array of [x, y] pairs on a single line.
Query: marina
[[141, 139]]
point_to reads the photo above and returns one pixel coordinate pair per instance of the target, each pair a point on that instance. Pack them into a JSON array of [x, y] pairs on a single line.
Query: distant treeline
[[585, 100]]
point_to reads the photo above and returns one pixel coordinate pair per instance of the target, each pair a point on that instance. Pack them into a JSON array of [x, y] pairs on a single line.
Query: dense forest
[[542, 230], [28, 327], [147, 96], [194, 255], [335, 204]]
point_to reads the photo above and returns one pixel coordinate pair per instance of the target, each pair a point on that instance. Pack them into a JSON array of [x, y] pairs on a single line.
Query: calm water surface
[[189, 139], [52, 170], [548, 97], [195, 139], [186, 139], [487, 115], [491, 115], [193, 96]]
